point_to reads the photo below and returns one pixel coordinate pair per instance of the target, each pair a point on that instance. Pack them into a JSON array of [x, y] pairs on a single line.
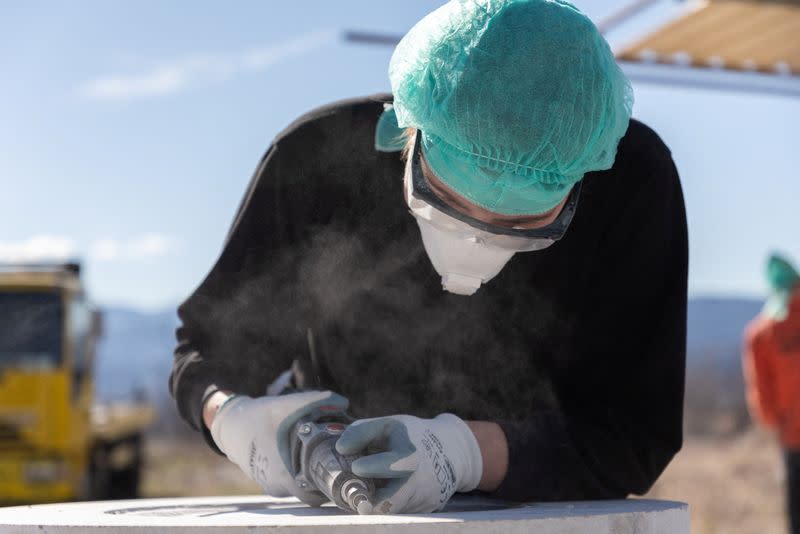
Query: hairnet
[[783, 279], [516, 99], [780, 273]]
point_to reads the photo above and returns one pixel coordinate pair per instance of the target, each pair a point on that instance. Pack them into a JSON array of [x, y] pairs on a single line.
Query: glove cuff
[[224, 409], [468, 450]]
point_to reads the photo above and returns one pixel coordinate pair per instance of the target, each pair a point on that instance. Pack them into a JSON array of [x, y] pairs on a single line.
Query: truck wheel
[[99, 473], [124, 483]]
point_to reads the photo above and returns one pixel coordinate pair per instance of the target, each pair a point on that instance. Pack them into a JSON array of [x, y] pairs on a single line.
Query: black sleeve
[[620, 419], [241, 328], [225, 340], [206, 356]]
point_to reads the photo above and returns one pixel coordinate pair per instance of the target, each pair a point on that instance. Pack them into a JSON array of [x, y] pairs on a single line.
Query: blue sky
[[129, 130]]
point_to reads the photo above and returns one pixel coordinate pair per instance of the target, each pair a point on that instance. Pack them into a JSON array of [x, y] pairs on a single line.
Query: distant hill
[[135, 355], [715, 401], [136, 349], [715, 327]]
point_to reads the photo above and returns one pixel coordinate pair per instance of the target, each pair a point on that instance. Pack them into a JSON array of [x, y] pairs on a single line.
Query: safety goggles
[[425, 203]]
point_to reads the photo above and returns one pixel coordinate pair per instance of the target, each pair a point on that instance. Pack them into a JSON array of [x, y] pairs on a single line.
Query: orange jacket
[[772, 372]]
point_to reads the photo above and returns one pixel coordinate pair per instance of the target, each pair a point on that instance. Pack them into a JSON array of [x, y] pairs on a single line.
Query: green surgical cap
[[516, 99], [783, 279], [780, 274]]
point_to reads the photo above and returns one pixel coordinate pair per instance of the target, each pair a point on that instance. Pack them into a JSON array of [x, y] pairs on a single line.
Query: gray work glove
[[254, 434], [424, 461]]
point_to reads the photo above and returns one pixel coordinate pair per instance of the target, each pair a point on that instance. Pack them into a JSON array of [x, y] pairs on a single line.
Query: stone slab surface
[[211, 515]]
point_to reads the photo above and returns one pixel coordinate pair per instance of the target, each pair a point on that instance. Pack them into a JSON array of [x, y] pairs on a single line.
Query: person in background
[[487, 268], [772, 371]]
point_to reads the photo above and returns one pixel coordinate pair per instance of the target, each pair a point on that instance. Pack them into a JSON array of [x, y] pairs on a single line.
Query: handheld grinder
[[320, 469]]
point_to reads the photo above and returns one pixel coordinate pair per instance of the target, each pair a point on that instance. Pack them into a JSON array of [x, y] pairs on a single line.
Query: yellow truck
[[56, 444]]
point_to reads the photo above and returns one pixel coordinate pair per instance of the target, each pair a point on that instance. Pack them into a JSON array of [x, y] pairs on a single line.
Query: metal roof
[[759, 36], [750, 46]]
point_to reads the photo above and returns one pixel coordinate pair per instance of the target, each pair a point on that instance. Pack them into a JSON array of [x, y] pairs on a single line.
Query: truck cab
[[55, 444]]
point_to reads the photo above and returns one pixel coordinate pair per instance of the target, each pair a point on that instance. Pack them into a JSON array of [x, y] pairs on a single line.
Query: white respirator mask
[[467, 252], [456, 250]]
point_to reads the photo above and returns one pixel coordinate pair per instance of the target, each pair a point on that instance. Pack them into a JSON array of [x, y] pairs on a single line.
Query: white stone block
[[228, 515]]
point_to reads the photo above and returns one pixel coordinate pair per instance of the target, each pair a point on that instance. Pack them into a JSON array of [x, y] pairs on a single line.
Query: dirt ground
[[733, 485]]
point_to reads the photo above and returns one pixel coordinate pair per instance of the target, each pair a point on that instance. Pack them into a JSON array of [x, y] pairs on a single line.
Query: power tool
[[318, 468]]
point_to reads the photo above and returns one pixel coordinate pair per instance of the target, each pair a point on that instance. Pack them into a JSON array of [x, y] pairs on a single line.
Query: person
[[772, 371], [486, 268]]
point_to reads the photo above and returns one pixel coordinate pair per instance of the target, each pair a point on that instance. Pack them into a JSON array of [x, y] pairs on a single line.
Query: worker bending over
[[487, 268], [772, 371]]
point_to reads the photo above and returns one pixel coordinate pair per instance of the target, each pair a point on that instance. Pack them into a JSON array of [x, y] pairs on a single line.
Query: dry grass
[[188, 468], [733, 485]]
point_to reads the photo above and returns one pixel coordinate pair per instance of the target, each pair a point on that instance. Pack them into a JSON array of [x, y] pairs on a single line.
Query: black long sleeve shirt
[[577, 351]]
